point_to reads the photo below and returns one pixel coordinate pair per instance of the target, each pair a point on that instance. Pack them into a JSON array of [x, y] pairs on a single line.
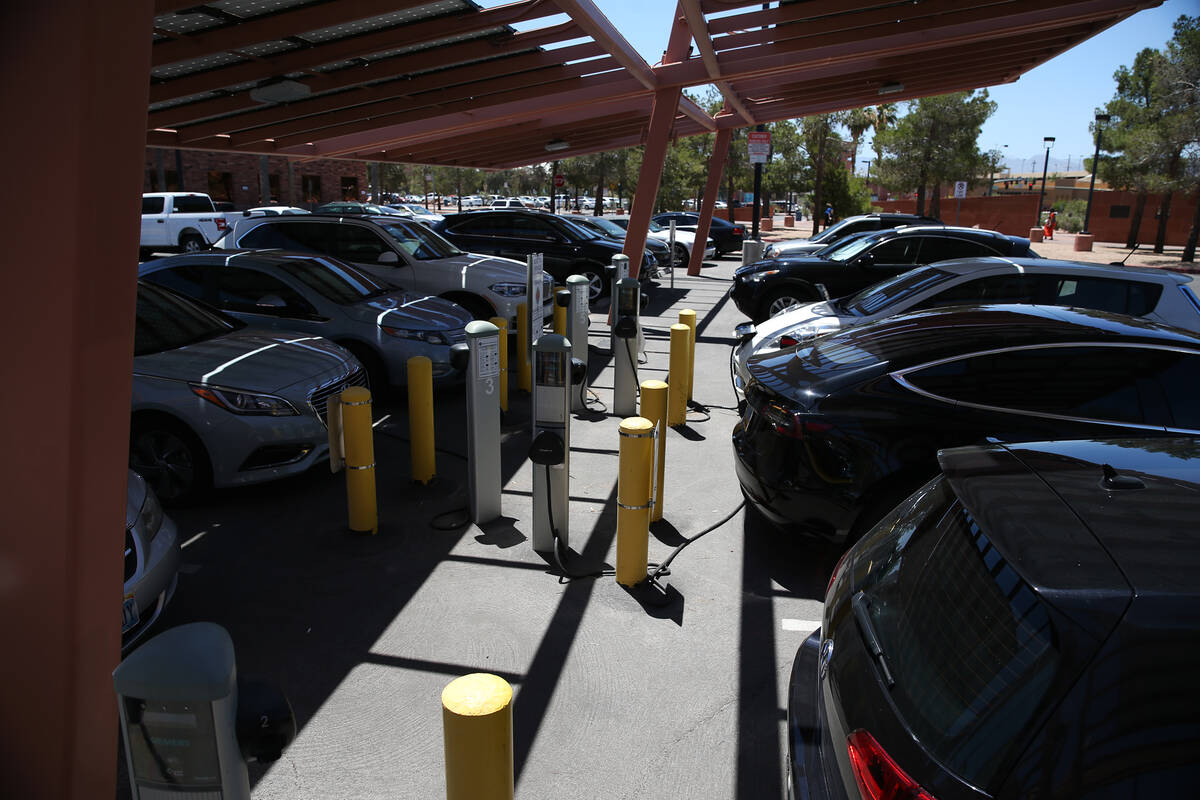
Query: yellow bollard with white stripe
[[502, 324], [420, 418], [477, 733], [688, 317], [677, 377], [524, 373], [562, 303], [654, 408], [635, 461], [359, 443]]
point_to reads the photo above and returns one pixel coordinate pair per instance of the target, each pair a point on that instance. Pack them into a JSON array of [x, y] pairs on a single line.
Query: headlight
[[245, 402], [509, 289], [151, 516], [758, 276], [429, 337]]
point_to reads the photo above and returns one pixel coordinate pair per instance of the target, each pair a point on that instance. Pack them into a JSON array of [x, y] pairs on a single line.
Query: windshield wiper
[[862, 615]]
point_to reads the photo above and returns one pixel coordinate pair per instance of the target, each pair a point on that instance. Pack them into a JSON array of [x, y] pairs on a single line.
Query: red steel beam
[[589, 19], [716, 165], [699, 29]]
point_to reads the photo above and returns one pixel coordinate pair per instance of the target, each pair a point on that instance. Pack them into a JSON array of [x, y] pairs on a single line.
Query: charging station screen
[[551, 369], [172, 744], [628, 301]]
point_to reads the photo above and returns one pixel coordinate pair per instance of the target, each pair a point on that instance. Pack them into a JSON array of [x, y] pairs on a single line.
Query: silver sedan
[[151, 560]]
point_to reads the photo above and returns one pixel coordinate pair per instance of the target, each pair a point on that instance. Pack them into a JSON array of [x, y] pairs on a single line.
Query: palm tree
[[883, 116], [857, 121]]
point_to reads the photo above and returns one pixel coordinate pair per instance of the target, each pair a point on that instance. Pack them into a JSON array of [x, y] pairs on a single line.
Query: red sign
[[560, 181], [759, 146]]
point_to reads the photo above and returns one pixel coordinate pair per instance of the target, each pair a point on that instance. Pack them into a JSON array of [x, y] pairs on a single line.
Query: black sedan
[[835, 431], [976, 647], [726, 235], [764, 288]]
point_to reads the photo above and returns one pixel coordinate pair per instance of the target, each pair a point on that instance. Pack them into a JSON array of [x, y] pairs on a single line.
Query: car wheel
[[596, 284], [681, 255], [785, 298], [192, 243], [170, 458]]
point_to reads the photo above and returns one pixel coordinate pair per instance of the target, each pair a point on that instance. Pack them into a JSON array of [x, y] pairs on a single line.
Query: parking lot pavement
[[612, 698]]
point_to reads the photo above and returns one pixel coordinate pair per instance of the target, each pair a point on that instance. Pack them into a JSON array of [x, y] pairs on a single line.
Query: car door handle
[[161, 221]]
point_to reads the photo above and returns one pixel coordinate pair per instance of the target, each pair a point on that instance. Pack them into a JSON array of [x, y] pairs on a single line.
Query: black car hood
[[781, 263]]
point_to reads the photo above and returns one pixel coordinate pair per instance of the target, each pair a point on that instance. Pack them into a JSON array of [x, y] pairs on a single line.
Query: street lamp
[[1047, 142], [1087, 215], [867, 161]]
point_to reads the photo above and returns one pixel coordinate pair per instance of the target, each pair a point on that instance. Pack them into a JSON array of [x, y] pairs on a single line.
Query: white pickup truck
[[185, 220]]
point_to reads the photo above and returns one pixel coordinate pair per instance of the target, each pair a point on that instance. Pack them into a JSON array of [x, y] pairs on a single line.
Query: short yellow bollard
[[502, 324], [654, 408], [359, 438], [635, 460], [420, 418], [477, 733], [524, 374], [688, 317], [677, 379], [562, 299]]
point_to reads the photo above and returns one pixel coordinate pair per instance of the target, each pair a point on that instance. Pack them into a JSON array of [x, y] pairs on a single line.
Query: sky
[[1057, 99]]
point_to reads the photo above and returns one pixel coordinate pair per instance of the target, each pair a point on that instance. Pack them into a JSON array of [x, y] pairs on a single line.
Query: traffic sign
[[560, 181], [759, 146], [960, 189]]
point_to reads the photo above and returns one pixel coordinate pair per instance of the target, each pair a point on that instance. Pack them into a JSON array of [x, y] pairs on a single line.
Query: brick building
[[238, 177]]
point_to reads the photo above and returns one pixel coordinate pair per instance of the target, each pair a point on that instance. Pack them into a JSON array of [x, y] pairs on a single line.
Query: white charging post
[[550, 450], [685, 266], [577, 332], [533, 292], [483, 420], [625, 345]]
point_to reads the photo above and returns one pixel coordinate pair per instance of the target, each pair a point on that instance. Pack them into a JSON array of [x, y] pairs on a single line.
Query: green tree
[[824, 148], [934, 143]]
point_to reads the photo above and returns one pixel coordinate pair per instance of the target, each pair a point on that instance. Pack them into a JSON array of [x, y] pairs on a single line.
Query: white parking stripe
[[801, 625]]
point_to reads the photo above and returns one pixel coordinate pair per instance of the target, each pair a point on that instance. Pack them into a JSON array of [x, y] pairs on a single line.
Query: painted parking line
[[801, 625]]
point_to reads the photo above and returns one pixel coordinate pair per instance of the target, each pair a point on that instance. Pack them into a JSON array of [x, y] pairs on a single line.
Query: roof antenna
[[1121, 263], [1113, 481]]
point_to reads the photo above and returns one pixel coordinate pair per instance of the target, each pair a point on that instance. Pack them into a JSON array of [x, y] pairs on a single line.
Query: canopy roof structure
[[448, 82]]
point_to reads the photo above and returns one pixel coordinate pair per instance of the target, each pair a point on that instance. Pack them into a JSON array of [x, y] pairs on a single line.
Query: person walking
[[1051, 224], [828, 214]]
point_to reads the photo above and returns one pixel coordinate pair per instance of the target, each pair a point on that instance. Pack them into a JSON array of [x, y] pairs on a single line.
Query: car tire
[[597, 285], [171, 459], [192, 243], [780, 299], [681, 256]]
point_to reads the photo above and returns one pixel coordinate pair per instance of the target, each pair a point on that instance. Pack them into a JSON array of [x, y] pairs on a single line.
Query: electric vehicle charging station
[[188, 724], [480, 358], [577, 333], [625, 336], [550, 450]]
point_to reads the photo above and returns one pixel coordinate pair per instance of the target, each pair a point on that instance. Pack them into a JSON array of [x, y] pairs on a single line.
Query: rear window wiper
[[862, 615]]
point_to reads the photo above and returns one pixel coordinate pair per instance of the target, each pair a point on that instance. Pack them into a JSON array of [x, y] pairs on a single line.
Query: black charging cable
[[463, 513], [663, 567]]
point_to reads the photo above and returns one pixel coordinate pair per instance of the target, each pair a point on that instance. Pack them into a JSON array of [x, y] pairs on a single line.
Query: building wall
[[1012, 214], [234, 177]]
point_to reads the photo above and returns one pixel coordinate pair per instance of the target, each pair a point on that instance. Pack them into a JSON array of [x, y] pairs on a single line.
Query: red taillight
[[878, 776], [836, 568], [220, 223], [737, 230]]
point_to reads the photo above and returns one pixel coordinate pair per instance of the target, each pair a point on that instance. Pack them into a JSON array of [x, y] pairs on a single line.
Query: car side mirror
[[389, 258], [866, 260]]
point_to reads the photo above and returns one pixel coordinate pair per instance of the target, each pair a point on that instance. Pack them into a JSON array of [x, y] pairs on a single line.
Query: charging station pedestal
[[577, 332], [483, 420], [625, 345], [186, 731], [550, 450]]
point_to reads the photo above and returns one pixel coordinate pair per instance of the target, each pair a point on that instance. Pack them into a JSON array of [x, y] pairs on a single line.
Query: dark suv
[[764, 288], [1027, 625], [861, 223], [726, 235], [568, 249], [835, 431]]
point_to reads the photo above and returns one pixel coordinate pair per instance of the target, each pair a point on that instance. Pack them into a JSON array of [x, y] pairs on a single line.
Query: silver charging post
[[483, 420], [625, 345], [577, 332], [550, 449]]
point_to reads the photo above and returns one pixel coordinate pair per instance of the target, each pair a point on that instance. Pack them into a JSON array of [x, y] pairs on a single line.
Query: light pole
[[1087, 214], [1047, 142]]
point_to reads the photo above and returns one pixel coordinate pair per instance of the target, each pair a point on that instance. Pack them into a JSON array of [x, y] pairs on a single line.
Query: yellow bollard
[[677, 393], [502, 324], [560, 310], [524, 374], [477, 733], [420, 418], [359, 438], [654, 408], [688, 317], [635, 460]]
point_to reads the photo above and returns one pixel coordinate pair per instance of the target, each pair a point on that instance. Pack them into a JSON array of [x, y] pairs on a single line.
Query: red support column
[[75, 97], [666, 103], [716, 165]]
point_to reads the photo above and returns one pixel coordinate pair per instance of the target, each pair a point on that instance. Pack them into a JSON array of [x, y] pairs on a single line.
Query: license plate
[[129, 614]]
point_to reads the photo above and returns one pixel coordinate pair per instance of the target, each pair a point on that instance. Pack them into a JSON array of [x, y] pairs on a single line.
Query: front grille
[[316, 400], [130, 555]]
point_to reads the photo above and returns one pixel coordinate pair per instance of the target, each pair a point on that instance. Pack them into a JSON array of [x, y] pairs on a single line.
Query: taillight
[[788, 341], [878, 776], [794, 424], [220, 223], [737, 230], [836, 569]]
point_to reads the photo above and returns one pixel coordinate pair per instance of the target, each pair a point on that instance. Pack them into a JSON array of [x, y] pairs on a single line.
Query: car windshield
[[166, 321], [418, 241], [849, 248], [655, 227], [880, 296], [576, 232], [607, 226], [833, 231], [333, 280]]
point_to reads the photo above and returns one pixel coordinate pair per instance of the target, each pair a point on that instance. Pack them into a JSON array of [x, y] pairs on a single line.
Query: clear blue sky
[[1056, 99]]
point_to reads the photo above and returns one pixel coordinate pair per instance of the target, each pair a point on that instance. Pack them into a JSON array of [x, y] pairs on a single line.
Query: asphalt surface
[[614, 697]]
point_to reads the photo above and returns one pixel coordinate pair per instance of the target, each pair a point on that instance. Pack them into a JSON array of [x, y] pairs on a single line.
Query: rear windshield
[[152, 205], [333, 280], [970, 645], [881, 295], [191, 204]]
